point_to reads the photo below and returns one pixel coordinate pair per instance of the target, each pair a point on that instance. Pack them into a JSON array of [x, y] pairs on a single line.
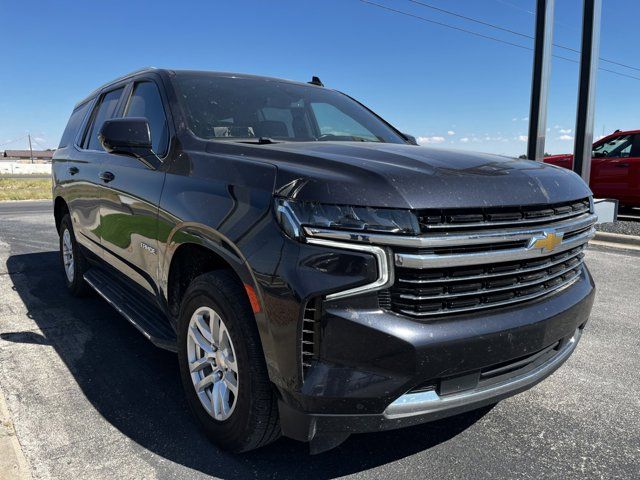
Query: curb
[[617, 240]]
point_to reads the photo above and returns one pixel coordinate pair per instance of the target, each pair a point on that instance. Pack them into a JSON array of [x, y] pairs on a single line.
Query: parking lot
[[89, 397]]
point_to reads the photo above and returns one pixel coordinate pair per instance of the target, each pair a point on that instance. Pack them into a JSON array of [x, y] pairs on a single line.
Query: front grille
[[498, 217], [520, 254], [459, 289]]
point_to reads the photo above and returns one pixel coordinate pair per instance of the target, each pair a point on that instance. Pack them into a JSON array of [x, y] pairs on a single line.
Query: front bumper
[[378, 371]]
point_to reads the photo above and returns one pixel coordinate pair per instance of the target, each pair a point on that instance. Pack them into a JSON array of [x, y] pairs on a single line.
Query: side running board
[[143, 315]]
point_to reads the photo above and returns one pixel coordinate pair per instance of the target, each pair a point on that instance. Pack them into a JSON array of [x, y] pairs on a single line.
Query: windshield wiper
[[260, 141]]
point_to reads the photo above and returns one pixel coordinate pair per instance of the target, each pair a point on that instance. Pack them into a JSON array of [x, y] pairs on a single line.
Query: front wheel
[[222, 366], [73, 261]]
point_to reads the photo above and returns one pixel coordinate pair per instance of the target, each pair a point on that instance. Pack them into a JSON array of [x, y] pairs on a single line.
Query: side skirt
[[146, 317]]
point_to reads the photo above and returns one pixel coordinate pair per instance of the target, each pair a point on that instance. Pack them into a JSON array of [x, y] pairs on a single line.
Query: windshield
[[219, 107]]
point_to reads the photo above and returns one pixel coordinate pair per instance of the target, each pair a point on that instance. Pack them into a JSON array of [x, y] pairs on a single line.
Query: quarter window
[[146, 102], [73, 125], [103, 111]]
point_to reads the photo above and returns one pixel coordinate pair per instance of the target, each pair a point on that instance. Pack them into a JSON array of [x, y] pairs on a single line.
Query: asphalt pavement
[[90, 398]]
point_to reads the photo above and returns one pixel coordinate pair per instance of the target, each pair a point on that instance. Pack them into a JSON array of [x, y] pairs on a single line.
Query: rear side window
[[103, 111], [75, 121], [146, 102]]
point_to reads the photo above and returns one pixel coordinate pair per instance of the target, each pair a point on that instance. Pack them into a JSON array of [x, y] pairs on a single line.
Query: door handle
[[106, 177], [622, 165], [73, 170]]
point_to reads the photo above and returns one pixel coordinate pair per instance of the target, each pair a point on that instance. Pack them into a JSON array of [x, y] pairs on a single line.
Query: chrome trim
[[478, 292], [453, 240], [431, 260], [506, 273], [482, 306], [385, 272], [423, 403]]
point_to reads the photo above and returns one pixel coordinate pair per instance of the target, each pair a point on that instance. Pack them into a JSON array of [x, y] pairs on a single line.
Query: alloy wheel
[[212, 363]]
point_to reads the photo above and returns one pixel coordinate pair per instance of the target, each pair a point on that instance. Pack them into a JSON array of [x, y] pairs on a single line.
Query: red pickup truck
[[615, 167]]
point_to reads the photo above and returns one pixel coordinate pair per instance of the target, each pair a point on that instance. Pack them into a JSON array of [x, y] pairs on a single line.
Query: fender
[[185, 233]]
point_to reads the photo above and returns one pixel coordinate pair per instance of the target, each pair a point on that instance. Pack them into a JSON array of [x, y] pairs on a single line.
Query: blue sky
[[449, 88]]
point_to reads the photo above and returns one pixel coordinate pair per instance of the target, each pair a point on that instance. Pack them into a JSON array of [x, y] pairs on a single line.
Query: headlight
[[294, 214]]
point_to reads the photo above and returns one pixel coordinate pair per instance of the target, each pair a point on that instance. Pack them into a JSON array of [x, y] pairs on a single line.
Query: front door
[[86, 160], [129, 210], [610, 167]]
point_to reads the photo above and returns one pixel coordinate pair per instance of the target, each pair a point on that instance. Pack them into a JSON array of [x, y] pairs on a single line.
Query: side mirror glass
[[127, 136]]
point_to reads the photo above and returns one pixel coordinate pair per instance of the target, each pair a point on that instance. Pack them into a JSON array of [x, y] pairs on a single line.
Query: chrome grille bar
[[487, 291], [507, 273], [518, 299], [434, 260]]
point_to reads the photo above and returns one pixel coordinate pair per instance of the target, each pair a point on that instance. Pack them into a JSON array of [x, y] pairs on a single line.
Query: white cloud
[[451, 132], [523, 138], [565, 130], [514, 119], [426, 140], [464, 140], [525, 119], [565, 137]]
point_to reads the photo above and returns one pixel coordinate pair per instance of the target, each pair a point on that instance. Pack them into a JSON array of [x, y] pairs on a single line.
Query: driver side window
[[617, 147]]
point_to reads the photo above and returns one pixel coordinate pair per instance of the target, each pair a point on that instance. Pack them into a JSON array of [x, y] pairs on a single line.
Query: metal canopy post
[[540, 81], [587, 91]]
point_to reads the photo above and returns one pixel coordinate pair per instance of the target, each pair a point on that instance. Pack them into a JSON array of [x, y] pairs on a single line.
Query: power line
[[13, 141], [513, 32], [487, 37]]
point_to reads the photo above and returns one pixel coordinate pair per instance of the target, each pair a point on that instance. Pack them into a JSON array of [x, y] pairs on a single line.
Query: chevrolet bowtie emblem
[[546, 242]]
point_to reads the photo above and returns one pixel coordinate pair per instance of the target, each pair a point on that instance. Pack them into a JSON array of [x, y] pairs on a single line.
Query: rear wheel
[[222, 366], [73, 262]]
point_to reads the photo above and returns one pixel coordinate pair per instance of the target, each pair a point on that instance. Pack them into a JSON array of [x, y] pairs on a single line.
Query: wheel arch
[[60, 208], [193, 249]]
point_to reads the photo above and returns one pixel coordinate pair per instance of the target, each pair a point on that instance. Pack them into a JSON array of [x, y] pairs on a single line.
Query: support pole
[[587, 91], [540, 81], [30, 149]]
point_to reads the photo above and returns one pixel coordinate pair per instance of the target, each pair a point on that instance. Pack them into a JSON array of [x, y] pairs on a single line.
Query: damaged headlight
[[292, 215]]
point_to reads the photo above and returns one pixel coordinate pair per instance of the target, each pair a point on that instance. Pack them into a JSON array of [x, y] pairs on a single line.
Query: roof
[[172, 72], [27, 154]]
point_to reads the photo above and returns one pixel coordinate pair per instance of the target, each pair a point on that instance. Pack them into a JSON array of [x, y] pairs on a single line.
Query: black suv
[[317, 272]]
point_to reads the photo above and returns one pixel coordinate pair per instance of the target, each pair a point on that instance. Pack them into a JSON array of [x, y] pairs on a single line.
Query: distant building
[[18, 155]]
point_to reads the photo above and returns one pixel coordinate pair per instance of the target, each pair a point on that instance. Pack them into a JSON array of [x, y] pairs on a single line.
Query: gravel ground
[[625, 228]]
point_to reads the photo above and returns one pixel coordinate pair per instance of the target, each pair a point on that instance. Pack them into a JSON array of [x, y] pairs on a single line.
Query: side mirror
[[128, 136], [410, 138]]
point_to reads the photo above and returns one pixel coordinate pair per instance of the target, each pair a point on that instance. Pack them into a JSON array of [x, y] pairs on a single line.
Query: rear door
[[129, 211], [610, 167], [85, 192]]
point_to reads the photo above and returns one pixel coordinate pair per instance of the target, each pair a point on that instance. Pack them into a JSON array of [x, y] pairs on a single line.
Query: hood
[[407, 176]]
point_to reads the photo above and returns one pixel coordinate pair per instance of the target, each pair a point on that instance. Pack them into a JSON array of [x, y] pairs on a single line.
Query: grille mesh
[[496, 217]]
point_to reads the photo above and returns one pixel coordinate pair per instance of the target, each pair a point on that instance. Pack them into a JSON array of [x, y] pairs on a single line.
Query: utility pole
[[30, 149], [589, 53], [540, 81]]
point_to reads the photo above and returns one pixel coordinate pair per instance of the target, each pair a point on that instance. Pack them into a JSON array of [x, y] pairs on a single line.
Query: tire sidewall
[[77, 284]]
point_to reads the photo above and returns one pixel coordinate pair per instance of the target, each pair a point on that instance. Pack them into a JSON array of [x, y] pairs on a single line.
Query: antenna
[[316, 81]]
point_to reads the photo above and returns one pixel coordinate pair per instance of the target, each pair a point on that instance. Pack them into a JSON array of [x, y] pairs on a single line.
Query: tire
[[251, 420], [73, 271]]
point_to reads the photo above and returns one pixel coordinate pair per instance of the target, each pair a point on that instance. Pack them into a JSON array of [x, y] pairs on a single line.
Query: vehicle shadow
[[135, 386]]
